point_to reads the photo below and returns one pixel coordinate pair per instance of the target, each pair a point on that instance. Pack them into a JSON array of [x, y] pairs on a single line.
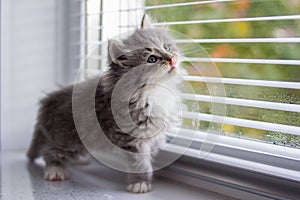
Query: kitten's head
[[152, 49]]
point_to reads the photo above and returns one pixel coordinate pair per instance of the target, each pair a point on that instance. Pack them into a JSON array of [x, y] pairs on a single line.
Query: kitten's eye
[[152, 59], [167, 48]]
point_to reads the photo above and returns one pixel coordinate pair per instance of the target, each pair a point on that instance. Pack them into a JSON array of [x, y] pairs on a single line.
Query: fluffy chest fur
[[136, 121], [159, 110]]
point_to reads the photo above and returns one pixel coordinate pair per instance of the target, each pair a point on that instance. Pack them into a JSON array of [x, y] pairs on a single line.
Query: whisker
[[195, 49], [191, 48]]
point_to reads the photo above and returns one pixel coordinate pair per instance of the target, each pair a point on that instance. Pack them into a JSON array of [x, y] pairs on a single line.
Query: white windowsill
[[94, 181]]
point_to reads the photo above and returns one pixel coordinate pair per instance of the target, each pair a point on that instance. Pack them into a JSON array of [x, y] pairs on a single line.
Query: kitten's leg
[[55, 168], [140, 182]]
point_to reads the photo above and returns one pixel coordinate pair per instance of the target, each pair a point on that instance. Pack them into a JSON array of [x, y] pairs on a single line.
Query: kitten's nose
[[173, 61]]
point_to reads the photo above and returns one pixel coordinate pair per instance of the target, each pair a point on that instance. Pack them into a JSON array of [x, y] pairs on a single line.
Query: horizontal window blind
[[282, 20], [254, 44]]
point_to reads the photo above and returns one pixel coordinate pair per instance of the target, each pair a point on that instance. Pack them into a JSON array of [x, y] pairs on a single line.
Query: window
[[255, 46]]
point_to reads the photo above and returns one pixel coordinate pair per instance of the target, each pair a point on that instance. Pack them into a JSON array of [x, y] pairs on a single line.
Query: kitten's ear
[[146, 22], [115, 50]]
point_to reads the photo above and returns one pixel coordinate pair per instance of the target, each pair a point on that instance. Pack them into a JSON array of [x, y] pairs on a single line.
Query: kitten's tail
[[36, 145]]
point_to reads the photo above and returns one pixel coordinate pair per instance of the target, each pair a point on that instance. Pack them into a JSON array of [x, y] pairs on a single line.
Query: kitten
[[55, 137]]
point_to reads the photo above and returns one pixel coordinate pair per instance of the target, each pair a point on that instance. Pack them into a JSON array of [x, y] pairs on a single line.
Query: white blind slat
[[248, 19], [185, 4], [248, 82], [244, 60], [243, 102], [229, 40], [234, 81], [241, 40], [244, 123]]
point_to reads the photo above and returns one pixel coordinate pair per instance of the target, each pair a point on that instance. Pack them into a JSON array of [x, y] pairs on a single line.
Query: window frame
[[237, 167], [229, 180], [246, 154]]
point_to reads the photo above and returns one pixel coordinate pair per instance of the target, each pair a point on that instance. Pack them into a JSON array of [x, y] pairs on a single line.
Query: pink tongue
[[173, 62]]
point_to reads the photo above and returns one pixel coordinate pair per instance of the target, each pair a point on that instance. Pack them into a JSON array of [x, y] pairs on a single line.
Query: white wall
[[28, 65]]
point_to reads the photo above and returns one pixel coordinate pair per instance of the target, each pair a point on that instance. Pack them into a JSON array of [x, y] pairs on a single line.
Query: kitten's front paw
[[56, 173], [139, 187]]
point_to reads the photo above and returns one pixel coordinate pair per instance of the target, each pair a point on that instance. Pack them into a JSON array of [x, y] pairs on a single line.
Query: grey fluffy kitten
[[55, 137]]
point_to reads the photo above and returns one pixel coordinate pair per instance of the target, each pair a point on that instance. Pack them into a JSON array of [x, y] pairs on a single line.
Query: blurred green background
[[257, 29]]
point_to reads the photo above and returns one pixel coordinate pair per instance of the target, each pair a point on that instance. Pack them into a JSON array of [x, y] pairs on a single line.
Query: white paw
[[139, 187], [56, 173]]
